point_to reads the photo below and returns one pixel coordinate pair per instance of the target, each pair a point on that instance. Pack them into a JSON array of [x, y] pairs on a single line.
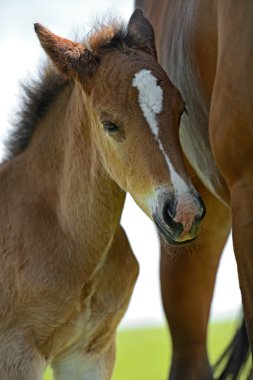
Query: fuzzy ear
[[140, 33], [71, 58]]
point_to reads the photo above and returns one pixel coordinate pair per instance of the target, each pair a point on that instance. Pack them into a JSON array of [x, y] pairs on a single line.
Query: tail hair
[[235, 356]]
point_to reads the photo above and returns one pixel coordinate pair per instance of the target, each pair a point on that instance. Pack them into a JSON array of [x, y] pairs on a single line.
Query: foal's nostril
[[168, 217], [178, 230], [169, 214]]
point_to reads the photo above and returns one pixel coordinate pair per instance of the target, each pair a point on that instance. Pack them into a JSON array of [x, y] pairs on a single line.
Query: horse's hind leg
[[187, 282]]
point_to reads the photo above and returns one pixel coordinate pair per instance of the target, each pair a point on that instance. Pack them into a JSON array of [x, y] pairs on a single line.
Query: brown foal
[[104, 124]]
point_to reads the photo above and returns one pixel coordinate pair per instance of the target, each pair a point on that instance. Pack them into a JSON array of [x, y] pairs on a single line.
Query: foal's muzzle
[[177, 218]]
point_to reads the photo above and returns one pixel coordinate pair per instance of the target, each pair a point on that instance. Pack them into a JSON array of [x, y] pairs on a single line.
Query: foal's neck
[[89, 203]]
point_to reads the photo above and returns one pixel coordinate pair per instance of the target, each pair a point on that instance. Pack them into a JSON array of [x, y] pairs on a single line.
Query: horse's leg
[[242, 223], [231, 121], [187, 282], [94, 359], [18, 359]]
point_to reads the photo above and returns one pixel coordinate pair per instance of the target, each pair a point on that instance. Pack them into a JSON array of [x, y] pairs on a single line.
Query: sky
[[21, 55]]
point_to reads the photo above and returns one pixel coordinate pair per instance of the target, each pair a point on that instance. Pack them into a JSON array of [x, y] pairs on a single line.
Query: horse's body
[[206, 49], [67, 270]]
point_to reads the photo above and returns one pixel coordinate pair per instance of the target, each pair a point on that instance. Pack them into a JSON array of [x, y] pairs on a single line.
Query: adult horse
[[206, 47], [88, 134]]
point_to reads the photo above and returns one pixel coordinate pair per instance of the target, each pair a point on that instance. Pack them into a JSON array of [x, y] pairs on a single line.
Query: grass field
[[142, 354]]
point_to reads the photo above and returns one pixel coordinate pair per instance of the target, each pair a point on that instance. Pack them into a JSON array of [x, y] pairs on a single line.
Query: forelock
[[108, 33]]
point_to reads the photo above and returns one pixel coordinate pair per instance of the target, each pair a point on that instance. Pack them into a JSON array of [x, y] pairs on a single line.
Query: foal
[[107, 123]]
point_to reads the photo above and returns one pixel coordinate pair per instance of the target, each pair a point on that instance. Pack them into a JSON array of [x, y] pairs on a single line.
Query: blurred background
[[21, 55]]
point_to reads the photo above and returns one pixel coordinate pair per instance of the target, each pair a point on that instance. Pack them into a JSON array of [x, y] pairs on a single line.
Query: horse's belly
[[196, 147]]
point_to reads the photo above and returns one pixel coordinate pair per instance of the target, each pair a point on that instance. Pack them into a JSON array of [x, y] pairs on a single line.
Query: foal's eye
[[110, 127]]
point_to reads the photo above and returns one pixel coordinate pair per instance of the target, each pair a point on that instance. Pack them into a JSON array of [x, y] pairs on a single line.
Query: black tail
[[235, 356]]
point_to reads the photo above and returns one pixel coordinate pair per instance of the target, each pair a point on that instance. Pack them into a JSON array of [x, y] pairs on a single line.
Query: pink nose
[[188, 213], [186, 216], [184, 219]]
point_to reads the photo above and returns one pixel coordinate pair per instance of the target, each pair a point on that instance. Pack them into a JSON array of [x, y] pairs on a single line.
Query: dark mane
[[39, 94]]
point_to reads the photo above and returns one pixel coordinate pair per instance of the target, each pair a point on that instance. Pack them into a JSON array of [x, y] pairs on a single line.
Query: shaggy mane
[[37, 97]]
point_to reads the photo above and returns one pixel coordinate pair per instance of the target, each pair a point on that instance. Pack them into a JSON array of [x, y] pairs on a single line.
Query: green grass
[[143, 354]]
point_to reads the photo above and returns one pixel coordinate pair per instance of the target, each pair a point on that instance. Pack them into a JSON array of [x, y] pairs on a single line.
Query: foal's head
[[136, 116]]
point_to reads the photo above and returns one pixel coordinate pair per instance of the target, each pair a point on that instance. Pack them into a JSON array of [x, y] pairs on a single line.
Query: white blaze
[[151, 100], [150, 97]]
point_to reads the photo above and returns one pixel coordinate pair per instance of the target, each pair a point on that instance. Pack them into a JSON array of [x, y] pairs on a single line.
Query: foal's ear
[[71, 58], [140, 33]]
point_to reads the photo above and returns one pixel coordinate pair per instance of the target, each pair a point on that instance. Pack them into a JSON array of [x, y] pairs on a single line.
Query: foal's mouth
[[167, 235]]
